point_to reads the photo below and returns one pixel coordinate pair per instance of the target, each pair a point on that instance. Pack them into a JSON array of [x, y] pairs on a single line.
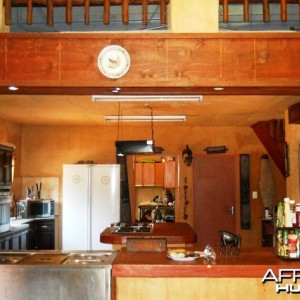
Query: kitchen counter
[[175, 233], [229, 277]]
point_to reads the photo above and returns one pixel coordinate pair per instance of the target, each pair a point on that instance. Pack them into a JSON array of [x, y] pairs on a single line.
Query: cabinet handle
[[44, 226]]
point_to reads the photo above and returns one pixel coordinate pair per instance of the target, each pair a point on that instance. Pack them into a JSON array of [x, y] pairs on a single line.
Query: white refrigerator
[[91, 202]]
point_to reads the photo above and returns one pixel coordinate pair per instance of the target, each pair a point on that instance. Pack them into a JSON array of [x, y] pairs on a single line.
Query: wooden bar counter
[[179, 233], [152, 275]]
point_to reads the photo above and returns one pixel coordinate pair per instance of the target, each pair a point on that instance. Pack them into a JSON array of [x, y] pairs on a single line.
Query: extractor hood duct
[[134, 147]]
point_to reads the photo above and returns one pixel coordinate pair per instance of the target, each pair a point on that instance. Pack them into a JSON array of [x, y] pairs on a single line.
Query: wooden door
[[215, 184]]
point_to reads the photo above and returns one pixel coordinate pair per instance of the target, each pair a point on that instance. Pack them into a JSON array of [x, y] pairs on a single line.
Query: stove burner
[[133, 228]]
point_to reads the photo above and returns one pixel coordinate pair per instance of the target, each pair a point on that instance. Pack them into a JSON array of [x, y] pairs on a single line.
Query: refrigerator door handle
[[88, 211]]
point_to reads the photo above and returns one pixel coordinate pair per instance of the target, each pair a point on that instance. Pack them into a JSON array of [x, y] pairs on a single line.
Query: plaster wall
[[46, 148]]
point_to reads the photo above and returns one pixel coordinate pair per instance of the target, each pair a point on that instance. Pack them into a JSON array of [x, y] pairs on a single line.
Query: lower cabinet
[[41, 235], [16, 240]]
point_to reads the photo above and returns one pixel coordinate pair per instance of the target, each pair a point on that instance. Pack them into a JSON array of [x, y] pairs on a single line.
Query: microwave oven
[[41, 208]]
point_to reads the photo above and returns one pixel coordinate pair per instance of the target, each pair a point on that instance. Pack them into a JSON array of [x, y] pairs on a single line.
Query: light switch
[[254, 195]]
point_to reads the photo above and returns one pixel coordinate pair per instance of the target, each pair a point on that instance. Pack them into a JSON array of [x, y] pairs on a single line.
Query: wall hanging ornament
[[187, 156]]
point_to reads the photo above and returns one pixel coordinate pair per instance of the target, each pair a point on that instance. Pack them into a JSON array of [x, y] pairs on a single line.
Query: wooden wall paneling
[[85, 71], [71, 60], [148, 62], [192, 61], [277, 60], [33, 60], [2, 59], [238, 66]]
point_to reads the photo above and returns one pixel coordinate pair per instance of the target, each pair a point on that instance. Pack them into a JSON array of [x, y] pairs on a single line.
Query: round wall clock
[[113, 61]]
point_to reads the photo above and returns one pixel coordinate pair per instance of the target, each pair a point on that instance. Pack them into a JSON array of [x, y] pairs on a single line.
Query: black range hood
[[134, 147]]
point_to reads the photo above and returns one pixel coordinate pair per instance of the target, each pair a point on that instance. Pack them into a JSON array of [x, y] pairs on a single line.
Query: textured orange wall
[[46, 148]]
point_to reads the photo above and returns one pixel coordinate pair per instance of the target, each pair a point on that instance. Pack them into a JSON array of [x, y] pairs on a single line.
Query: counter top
[[249, 263], [175, 233]]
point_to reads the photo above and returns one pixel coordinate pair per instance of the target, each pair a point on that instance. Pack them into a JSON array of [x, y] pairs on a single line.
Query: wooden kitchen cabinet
[[42, 235], [170, 174], [149, 174], [156, 174], [14, 240], [6, 155]]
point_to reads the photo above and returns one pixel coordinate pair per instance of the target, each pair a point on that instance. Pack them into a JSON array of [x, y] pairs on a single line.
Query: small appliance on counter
[[41, 208]]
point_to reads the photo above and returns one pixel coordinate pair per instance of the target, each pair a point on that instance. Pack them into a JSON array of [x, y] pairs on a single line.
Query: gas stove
[[133, 228]]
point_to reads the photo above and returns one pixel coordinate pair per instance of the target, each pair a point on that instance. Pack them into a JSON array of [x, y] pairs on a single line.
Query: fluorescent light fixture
[[150, 98], [174, 118]]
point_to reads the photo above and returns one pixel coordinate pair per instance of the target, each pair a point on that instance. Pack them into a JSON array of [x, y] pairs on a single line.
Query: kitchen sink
[[12, 258], [100, 258]]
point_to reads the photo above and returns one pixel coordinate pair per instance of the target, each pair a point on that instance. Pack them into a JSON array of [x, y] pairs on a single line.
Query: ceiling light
[[13, 88], [218, 88], [166, 118], [142, 98]]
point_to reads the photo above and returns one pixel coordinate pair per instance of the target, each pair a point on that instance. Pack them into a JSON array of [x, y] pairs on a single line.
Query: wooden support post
[[225, 11], [69, 11], [86, 12], [163, 12], [266, 11], [246, 11], [50, 12], [283, 10], [145, 12], [29, 12], [7, 12], [106, 12], [125, 11]]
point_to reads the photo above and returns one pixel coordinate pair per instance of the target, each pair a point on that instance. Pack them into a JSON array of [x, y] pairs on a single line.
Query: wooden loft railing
[[50, 4], [68, 4], [265, 5]]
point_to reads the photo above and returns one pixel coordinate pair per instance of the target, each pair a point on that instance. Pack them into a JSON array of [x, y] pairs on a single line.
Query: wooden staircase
[[272, 135]]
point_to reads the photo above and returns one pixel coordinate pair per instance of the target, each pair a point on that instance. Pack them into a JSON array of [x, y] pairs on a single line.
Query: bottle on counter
[[285, 244], [287, 213], [279, 218], [298, 215], [267, 212], [280, 248], [293, 212]]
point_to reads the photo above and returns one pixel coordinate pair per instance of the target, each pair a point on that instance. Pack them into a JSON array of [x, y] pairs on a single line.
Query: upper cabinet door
[[159, 174], [138, 174], [170, 174], [149, 174]]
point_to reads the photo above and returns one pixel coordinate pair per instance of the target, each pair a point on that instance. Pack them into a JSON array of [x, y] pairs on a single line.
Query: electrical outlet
[[254, 195]]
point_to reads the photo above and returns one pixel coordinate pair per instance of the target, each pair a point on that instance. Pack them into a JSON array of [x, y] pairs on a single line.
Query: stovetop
[[133, 228]]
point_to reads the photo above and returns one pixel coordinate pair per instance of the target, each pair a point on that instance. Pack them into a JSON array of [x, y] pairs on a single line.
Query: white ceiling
[[214, 110]]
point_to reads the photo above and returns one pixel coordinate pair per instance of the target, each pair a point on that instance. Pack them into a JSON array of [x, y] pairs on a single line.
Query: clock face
[[113, 61]]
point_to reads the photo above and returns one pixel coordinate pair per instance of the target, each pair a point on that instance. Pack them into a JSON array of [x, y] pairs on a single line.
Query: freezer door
[[75, 212], [105, 202]]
